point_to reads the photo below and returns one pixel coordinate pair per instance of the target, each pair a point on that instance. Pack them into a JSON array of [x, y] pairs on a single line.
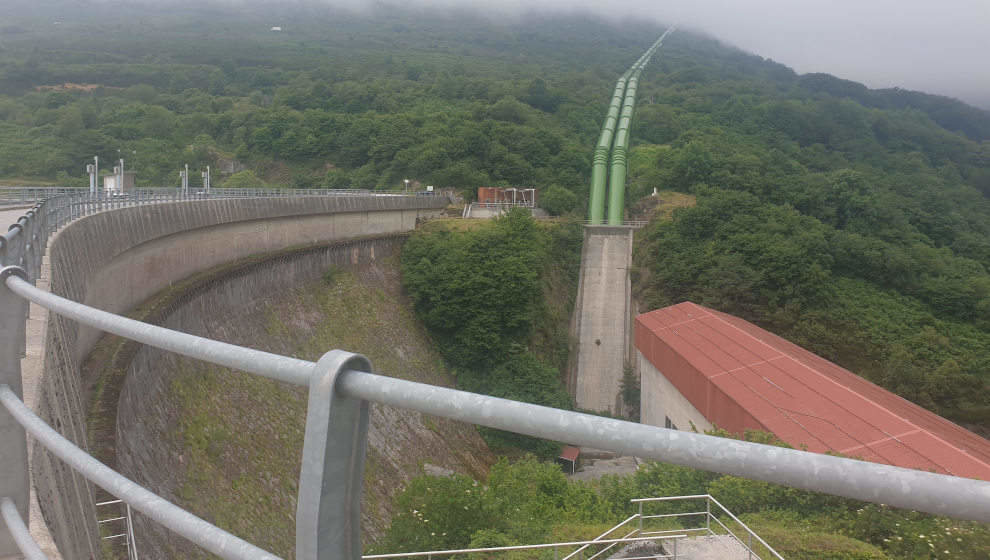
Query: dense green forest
[[498, 299], [334, 99], [832, 215]]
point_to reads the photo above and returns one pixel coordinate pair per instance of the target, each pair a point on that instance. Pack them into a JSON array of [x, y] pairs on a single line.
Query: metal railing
[[128, 534], [602, 536], [19, 531], [517, 204], [499, 207], [555, 546], [635, 224], [710, 517], [29, 195], [340, 390], [586, 550]]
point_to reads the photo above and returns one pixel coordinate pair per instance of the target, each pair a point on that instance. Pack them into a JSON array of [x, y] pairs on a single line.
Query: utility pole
[[94, 176], [206, 180], [120, 181]]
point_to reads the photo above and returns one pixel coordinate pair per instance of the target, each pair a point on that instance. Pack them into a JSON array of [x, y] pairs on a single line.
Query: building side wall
[[659, 400]]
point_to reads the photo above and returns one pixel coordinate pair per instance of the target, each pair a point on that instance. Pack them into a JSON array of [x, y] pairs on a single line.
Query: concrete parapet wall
[[602, 327], [116, 259]]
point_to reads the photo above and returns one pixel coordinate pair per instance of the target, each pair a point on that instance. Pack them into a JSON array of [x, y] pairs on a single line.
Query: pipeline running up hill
[[614, 139]]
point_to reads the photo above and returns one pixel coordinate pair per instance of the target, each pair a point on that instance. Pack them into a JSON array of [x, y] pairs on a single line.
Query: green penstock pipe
[[599, 163], [614, 139], [617, 177], [620, 147]]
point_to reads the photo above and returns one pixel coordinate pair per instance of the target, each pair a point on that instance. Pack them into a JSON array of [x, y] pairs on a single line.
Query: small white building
[[276, 28], [110, 185]]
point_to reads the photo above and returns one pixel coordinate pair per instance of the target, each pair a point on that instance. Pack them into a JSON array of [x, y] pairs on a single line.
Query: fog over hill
[[935, 47]]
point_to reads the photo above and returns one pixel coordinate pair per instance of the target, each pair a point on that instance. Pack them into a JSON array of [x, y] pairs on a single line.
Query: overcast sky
[[936, 46]]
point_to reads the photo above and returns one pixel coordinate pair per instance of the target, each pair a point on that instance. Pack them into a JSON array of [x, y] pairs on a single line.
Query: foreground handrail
[[521, 547], [952, 496], [710, 499], [25, 542], [209, 536], [744, 526], [962, 498], [274, 366], [599, 537]]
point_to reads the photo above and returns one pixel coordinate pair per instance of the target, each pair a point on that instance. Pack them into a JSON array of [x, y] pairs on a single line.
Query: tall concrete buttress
[[602, 314]]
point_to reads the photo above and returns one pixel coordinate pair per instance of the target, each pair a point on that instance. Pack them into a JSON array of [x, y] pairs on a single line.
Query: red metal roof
[[569, 453], [741, 377]]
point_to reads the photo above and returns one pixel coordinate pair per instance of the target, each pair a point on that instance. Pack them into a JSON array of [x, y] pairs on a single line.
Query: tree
[[477, 290], [244, 180], [557, 200]]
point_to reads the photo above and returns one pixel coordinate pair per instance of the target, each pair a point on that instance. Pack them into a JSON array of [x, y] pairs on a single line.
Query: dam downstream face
[[131, 241], [227, 445]]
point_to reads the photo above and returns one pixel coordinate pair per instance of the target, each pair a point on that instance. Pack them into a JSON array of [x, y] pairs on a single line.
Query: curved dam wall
[[117, 259], [237, 306]]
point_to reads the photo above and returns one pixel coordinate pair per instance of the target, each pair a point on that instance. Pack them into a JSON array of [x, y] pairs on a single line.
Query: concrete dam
[[116, 260]]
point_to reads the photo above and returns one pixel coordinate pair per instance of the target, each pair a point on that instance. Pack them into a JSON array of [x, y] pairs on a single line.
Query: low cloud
[[936, 47]]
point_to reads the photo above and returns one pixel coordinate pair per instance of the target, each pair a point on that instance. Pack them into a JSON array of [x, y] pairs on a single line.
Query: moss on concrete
[[240, 435]]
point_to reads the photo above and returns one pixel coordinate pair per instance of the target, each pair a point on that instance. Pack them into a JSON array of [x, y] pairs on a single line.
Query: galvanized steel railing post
[[328, 515], [131, 541], [14, 522], [640, 519], [13, 441]]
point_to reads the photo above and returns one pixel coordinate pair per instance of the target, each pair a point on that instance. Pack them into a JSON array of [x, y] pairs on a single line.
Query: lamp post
[[406, 181]]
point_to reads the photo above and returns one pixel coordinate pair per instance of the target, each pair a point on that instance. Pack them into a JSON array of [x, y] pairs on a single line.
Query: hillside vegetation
[[497, 300], [530, 502], [836, 217]]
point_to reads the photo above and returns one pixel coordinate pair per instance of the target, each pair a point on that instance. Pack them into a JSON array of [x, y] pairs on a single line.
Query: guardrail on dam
[[340, 385]]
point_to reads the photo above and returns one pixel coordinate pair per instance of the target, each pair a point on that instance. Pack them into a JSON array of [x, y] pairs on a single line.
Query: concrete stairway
[[713, 547], [707, 547]]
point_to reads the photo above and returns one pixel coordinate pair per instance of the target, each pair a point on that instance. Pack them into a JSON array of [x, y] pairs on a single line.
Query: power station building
[[702, 369]]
